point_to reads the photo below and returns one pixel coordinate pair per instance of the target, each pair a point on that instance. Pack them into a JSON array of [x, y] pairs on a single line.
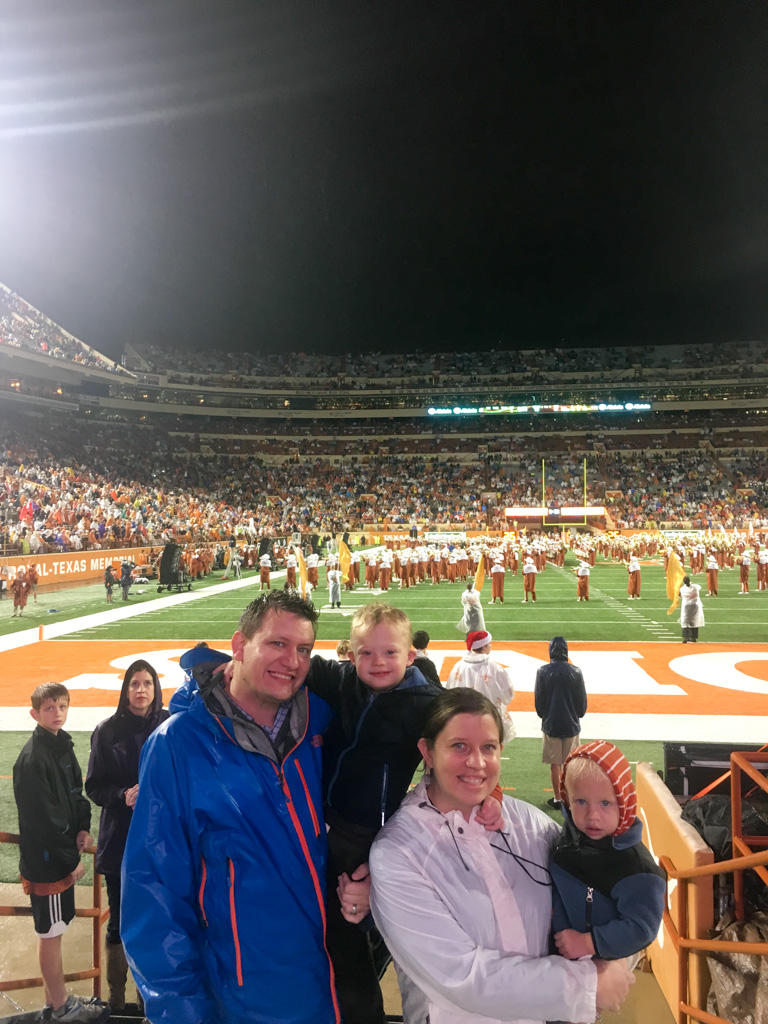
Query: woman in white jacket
[[465, 912]]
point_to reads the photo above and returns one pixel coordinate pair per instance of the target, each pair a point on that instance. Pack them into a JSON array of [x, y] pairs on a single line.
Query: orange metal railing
[[98, 917], [743, 860]]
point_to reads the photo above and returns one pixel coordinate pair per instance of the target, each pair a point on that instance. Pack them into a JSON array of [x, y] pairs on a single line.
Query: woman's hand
[[354, 894], [131, 795], [613, 982], [84, 842]]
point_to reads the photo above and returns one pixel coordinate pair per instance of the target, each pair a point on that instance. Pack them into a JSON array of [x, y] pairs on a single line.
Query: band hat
[[616, 767], [477, 639]]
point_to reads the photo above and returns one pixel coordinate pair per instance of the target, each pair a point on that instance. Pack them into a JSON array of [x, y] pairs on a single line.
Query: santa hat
[[616, 767], [479, 638]]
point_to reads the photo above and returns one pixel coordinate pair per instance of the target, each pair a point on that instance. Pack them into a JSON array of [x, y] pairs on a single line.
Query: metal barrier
[[743, 860], [97, 915]]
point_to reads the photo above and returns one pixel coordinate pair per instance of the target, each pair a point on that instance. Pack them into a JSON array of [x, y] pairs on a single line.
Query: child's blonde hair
[[371, 615], [582, 768], [343, 647]]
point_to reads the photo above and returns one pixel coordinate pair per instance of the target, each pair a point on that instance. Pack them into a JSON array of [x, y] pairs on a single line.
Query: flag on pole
[[345, 561], [480, 574], [675, 576], [302, 572]]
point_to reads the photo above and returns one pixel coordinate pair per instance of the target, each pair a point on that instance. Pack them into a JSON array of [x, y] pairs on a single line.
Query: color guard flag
[[675, 575], [345, 561], [480, 574], [302, 572]]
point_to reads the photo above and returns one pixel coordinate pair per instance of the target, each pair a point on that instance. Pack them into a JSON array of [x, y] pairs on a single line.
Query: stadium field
[[644, 686]]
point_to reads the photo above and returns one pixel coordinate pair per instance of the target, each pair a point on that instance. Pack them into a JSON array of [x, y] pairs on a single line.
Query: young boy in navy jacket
[[609, 892]]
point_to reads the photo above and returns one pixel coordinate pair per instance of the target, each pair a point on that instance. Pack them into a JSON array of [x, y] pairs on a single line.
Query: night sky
[[386, 176]]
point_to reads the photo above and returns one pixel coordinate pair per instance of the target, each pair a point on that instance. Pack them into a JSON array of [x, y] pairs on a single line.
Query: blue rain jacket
[[223, 903]]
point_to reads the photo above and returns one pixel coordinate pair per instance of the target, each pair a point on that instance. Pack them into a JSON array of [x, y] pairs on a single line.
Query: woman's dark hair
[[686, 581], [130, 672], [460, 701]]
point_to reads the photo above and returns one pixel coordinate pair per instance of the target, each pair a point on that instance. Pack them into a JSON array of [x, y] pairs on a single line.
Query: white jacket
[[467, 925], [480, 672]]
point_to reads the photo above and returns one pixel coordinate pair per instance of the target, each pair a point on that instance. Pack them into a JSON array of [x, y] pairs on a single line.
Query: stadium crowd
[[111, 482], [23, 326]]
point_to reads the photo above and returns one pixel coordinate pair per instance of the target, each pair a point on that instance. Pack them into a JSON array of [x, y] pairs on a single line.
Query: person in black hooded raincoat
[[112, 782]]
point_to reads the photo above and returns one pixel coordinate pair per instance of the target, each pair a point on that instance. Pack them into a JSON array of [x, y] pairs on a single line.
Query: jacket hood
[[198, 664], [616, 767], [558, 649]]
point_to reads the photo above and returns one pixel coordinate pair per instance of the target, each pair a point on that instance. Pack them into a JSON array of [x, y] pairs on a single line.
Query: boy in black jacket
[[370, 754], [54, 823]]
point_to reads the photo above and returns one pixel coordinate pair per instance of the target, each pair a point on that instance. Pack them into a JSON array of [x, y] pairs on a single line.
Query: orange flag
[[345, 561], [302, 572], [480, 574], [675, 574]]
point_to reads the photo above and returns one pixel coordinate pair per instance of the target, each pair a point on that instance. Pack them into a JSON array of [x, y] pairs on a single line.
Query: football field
[[644, 686]]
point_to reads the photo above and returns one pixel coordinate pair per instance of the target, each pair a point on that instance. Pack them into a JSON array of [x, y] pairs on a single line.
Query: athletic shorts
[[52, 914], [554, 750]]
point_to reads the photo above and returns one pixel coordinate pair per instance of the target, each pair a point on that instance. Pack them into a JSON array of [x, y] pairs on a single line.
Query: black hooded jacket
[[113, 768], [560, 694], [369, 749], [48, 786]]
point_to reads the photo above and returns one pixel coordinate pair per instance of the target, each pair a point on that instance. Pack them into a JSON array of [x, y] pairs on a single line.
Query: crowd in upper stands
[[435, 369], [23, 326], [109, 481]]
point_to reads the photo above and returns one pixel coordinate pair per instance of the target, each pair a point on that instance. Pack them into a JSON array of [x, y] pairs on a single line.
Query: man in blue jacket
[[223, 914], [561, 703]]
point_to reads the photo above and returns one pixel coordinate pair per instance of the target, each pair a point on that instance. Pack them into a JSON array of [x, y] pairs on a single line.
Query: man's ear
[[425, 752], [239, 640]]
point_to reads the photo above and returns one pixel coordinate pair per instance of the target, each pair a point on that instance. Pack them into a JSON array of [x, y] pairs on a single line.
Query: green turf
[[521, 769], [607, 616]]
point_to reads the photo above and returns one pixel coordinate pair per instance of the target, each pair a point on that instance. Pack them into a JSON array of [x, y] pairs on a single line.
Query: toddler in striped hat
[[608, 891]]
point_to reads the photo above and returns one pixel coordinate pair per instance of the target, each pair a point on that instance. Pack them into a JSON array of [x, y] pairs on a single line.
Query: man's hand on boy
[[490, 815], [354, 894], [78, 873], [130, 796], [84, 841], [573, 945], [227, 670]]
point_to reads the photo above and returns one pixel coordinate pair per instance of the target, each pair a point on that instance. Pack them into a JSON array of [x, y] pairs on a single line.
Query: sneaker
[[82, 1011], [557, 804]]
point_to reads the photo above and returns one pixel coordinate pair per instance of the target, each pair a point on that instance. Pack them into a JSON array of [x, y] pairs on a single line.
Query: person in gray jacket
[[561, 703]]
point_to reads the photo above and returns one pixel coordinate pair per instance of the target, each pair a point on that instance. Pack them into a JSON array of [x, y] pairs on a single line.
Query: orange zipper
[[233, 918], [201, 894], [315, 822]]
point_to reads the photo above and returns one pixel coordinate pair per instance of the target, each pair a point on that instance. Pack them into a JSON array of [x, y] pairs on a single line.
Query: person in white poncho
[[465, 912], [480, 672], [473, 617]]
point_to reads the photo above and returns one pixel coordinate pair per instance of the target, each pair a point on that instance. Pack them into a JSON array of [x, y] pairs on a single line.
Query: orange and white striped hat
[[616, 767]]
